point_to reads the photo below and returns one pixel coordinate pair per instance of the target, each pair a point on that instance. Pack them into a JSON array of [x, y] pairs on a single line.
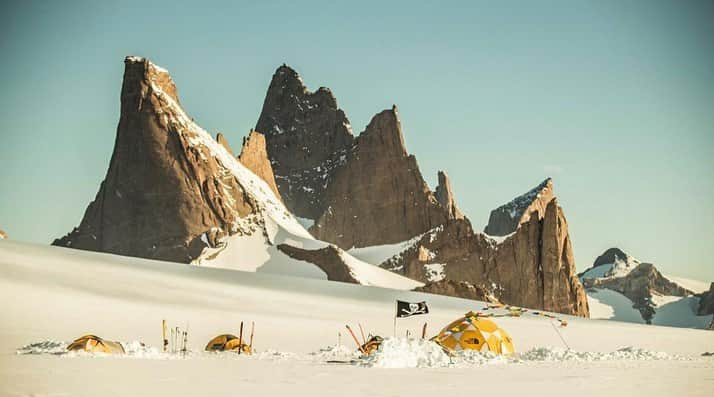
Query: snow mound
[[44, 347], [132, 349], [549, 354], [334, 353], [420, 353], [475, 358], [140, 350], [271, 354], [406, 353]]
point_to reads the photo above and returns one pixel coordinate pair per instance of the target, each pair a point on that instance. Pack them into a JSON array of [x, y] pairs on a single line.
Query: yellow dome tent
[[95, 344], [473, 332]]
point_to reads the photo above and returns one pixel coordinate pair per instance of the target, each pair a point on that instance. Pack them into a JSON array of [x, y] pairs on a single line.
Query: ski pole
[[355, 338]]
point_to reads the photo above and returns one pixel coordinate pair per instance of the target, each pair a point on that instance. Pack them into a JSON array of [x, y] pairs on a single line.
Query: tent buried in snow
[[472, 332], [227, 342], [95, 344]]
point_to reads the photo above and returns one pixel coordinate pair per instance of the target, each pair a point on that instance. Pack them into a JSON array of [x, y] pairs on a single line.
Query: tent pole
[[252, 331], [163, 334], [240, 338]]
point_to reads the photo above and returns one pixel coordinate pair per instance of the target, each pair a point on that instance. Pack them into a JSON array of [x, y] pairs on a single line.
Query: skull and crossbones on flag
[[407, 309]]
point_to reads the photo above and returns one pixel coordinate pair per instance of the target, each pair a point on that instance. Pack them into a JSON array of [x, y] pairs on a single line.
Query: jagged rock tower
[[378, 196], [169, 192], [307, 138]]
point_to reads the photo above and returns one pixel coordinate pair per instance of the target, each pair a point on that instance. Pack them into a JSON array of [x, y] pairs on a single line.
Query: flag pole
[[396, 306]]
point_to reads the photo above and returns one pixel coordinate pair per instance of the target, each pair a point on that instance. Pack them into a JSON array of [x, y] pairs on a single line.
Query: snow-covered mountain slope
[[52, 293]]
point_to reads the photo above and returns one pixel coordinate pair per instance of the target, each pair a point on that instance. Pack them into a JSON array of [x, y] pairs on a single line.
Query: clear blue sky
[[613, 99]]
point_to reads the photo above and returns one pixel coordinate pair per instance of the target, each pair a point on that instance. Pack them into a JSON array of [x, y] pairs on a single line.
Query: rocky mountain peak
[[169, 191], [609, 256], [140, 73], [445, 196], [508, 217], [377, 181], [383, 135], [614, 262], [307, 136], [254, 156]]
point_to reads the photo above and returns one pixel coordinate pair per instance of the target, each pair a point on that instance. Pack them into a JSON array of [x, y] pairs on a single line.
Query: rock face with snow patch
[[610, 256], [534, 267], [459, 289], [328, 259], [506, 218], [254, 156], [378, 196], [307, 138], [164, 196]]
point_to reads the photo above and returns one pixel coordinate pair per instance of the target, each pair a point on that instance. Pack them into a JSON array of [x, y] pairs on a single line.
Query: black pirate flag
[[406, 309]]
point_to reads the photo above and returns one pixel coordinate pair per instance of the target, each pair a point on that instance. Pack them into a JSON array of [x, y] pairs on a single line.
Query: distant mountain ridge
[[307, 137], [648, 290], [532, 267], [173, 192], [375, 195]]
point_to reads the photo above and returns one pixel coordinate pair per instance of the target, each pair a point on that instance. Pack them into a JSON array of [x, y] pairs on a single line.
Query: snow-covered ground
[[51, 293]]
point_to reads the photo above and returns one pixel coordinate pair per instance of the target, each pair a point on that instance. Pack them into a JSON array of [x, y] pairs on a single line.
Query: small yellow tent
[[95, 344], [472, 332], [227, 342]]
